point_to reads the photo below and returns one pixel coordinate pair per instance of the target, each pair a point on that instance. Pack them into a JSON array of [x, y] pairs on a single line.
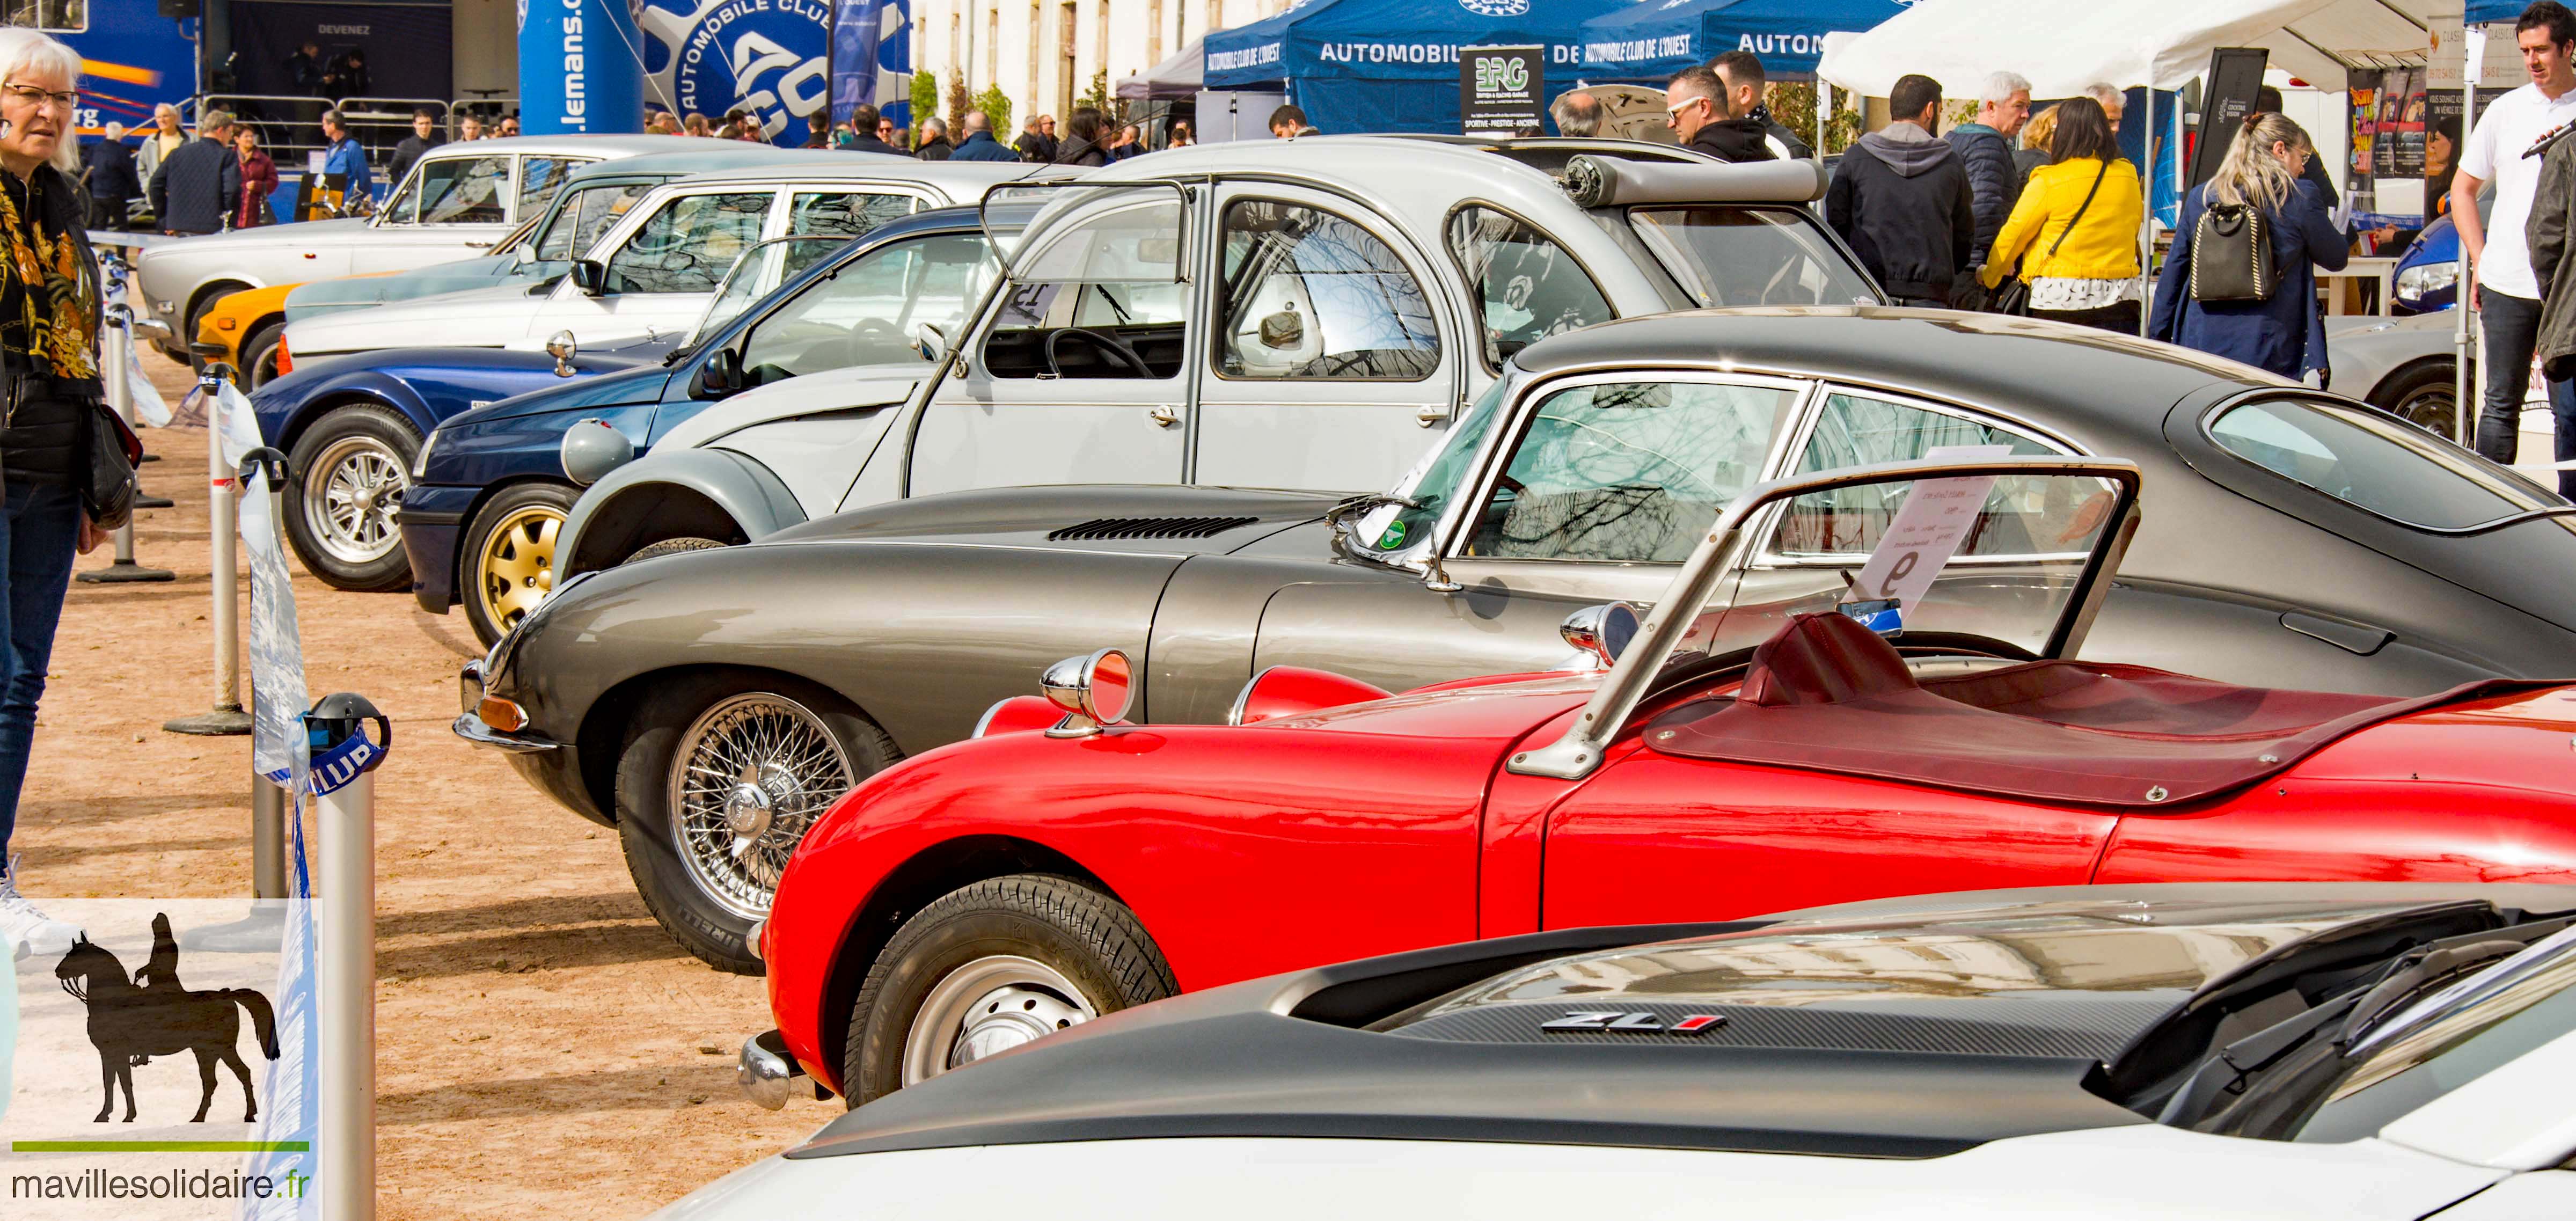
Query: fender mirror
[[590, 276], [1600, 633], [1093, 691], [563, 348]]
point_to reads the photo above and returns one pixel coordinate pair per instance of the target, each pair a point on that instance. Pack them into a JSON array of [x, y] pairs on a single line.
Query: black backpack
[[2231, 255]]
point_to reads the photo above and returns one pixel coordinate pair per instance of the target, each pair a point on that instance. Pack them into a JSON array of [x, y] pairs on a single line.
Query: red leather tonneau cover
[[1828, 694]]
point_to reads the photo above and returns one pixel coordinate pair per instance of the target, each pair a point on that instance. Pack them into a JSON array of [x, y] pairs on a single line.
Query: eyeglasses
[[36, 97], [1676, 108]]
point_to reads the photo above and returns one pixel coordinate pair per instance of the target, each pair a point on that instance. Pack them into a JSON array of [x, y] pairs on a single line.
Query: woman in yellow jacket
[[2075, 230]]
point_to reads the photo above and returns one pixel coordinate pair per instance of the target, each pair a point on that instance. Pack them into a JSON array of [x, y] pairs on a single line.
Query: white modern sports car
[[2248, 1050]]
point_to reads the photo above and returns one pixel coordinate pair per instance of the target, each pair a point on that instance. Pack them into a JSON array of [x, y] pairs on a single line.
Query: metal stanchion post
[[119, 339], [345, 971], [227, 717], [259, 930]]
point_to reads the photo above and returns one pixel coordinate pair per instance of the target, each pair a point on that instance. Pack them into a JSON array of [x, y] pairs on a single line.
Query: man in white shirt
[[2508, 291]]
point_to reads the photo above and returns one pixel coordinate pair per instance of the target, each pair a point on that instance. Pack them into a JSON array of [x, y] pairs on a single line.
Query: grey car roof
[[1988, 359], [966, 179], [734, 154]]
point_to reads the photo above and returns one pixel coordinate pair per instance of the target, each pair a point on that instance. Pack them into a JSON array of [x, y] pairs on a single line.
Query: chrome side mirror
[[591, 449], [590, 276], [562, 347], [1094, 691], [930, 342], [1601, 632]]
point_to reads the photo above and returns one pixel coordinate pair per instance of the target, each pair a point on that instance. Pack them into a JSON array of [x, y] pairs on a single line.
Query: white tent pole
[[2147, 223], [1824, 110]]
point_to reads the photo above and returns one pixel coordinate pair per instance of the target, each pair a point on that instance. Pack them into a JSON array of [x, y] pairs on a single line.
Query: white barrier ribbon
[[149, 406], [238, 430]]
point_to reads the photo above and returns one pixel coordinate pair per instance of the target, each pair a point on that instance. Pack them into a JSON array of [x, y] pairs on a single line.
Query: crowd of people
[[1088, 138]]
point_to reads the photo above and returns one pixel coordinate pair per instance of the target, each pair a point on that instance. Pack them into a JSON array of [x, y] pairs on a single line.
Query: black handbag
[[2231, 255], [107, 477]]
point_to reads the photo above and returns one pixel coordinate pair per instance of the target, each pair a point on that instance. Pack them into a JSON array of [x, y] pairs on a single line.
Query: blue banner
[[872, 58], [767, 58], [577, 73]]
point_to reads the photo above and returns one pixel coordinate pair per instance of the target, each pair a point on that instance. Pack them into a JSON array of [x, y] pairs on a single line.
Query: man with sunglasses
[[194, 189], [1700, 119]]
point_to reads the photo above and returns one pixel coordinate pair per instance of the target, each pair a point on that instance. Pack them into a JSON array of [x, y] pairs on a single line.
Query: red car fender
[[1322, 845]]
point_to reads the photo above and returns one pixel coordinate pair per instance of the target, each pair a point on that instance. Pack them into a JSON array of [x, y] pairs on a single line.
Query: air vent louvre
[[1102, 529]]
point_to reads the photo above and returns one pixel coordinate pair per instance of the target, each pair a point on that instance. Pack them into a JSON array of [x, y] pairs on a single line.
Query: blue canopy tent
[[1392, 65], [1650, 41]]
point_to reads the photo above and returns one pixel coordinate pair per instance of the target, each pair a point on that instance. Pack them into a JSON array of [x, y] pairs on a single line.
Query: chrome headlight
[[2427, 278]]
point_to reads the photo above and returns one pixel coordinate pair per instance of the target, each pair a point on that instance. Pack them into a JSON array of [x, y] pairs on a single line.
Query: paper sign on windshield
[[1927, 531]]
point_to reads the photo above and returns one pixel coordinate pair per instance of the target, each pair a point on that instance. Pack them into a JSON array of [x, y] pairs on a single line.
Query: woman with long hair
[[2075, 228], [259, 180], [1082, 142], [49, 367], [2284, 332]]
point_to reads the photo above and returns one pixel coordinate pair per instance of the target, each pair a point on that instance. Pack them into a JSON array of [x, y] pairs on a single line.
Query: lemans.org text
[[97, 1184]]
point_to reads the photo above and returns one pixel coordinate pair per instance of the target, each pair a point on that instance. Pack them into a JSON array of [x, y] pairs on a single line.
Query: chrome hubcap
[[750, 776], [2431, 410], [988, 1007], [356, 485]]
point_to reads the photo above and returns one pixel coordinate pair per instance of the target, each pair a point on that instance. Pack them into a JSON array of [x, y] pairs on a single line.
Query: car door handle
[[1164, 417], [1430, 415]]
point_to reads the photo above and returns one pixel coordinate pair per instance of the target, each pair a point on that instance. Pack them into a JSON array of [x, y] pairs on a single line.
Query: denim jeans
[[36, 560], [2511, 325]]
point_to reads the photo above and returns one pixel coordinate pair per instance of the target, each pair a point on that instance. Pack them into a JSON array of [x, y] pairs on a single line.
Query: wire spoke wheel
[[351, 494], [749, 777], [986, 1007], [516, 568]]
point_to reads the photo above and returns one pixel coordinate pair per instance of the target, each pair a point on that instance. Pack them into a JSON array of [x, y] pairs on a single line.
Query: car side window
[[864, 313], [1311, 296], [1859, 430], [539, 178], [1527, 286], [464, 191], [1628, 471], [1100, 299], [845, 213], [687, 245]]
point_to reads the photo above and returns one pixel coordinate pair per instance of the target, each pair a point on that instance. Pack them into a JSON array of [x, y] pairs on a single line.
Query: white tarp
[[2164, 43]]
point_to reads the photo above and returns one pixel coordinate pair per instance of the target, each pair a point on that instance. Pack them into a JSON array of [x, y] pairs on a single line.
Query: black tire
[[2423, 395], [350, 470], [259, 355], [197, 311], [648, 822], [500, 579], [673, 546], [1089, 938]]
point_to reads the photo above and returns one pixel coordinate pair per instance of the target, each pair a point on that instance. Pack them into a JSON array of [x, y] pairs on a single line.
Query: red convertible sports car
[[1926, 729]]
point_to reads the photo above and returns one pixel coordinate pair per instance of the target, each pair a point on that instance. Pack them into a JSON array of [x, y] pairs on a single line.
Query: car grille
[[1101, 529]]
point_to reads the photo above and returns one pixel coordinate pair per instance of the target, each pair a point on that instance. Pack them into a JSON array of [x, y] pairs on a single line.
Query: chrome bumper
[[766, 1073], [471, 728]]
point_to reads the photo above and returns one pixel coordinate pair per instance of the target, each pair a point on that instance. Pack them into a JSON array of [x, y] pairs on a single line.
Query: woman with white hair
[[49, 390]]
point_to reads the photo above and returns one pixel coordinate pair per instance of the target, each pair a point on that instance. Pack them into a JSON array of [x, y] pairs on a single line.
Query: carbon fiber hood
[[1100, 517]]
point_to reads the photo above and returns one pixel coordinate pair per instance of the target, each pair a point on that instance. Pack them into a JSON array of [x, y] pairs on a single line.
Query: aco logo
[[1495, 8], [767, 57]]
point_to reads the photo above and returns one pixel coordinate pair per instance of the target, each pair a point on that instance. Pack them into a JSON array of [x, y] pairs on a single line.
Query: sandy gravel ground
[[544, 1050]]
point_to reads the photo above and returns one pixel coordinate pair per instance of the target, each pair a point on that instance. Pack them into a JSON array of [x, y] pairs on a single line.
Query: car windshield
[[454, 191], [2448, 1040], [1734, 256], [2376, 463], [761, 269]]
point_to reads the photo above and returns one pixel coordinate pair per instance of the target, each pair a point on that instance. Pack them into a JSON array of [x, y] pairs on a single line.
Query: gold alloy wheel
[[517, 563]]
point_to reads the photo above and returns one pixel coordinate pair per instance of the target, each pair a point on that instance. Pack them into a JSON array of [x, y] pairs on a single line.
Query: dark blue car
[[489, 495]]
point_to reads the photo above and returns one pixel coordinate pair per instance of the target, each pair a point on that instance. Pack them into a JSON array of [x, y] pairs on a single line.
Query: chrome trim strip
[[471, 728]]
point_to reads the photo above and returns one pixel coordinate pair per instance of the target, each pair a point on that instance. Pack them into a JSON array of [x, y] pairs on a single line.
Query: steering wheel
[[873, 336], [1110, 344]]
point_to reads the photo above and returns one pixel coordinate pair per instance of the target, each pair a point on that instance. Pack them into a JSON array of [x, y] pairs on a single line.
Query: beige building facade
[[1046, 54]]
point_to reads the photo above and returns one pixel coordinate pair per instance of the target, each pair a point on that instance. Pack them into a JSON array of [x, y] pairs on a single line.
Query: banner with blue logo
[[872, 58], [770, 59], [1392, 65], [577, 73], [1653, 39]]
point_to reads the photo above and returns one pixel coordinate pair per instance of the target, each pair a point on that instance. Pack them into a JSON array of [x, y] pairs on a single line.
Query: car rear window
[[2376, 463], [1727, 256]]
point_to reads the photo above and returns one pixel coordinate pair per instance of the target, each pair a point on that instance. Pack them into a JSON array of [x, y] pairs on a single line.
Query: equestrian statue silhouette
[[152, 1015]]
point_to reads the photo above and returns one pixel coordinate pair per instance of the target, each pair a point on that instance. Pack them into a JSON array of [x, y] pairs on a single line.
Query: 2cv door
[[1080, 367], [1586, 490], [1334, 345]]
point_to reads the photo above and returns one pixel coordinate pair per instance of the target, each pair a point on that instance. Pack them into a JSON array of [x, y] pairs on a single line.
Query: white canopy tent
[[2158, 43]]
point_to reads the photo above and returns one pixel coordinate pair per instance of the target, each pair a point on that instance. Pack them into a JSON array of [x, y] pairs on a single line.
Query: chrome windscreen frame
[[1718, 556]]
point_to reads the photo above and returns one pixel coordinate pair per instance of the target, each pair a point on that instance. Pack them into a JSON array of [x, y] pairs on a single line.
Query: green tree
[[925, 97], [1113, 109], [996, 106], [1793, 103]]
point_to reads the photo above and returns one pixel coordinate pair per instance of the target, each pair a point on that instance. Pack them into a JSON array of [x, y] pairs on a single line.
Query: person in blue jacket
[[2285, 333]]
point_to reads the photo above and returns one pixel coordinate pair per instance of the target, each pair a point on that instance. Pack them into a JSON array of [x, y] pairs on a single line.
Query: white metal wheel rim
[[355, 486], [944, 1019], [759, 740]]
